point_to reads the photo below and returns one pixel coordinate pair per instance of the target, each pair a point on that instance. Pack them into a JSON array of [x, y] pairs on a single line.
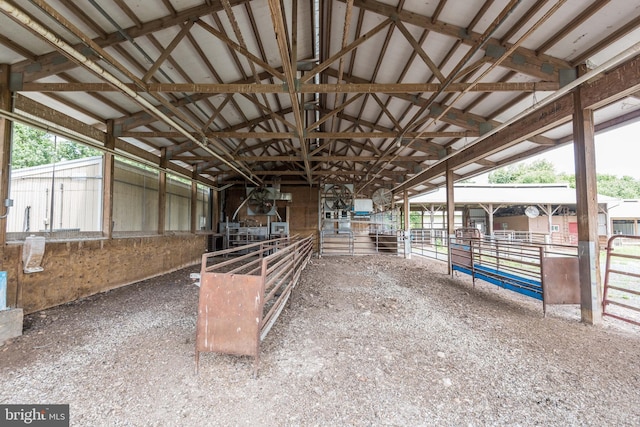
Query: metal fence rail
[[241, 296], [431, 243], [363, 242], [548, 273], [621, 295], [334, 243]]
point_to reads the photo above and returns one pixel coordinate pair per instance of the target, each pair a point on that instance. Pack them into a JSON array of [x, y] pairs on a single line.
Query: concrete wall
[[77, 269]]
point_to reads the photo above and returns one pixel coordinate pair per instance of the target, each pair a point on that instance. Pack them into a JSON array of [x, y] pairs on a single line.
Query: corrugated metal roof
[[625, 209], [237, 89], [512, 194]]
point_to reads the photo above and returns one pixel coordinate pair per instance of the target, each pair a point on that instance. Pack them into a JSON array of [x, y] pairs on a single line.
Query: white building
[[544, 209]]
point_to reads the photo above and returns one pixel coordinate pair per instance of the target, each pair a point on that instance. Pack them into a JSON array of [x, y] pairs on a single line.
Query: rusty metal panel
[[560, 280], [229, 314], [461, 255]]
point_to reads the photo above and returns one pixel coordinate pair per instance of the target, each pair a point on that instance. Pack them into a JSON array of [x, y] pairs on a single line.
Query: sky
[[617, 153]]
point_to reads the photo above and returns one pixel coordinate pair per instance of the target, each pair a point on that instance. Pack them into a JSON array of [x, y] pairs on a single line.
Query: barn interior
[[248, 120]]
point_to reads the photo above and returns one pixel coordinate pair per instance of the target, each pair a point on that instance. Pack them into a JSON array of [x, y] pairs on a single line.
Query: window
[[624, 226], [135, 197], [56, 186], [555, 228], [203, 208], [178, 207]]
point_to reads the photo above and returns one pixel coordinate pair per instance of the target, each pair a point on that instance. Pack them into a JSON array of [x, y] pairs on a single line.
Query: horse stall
[[243, 290]]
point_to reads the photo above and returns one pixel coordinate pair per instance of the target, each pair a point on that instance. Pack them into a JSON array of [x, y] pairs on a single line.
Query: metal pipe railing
[[519, 266], [621, 280], [242, 296]]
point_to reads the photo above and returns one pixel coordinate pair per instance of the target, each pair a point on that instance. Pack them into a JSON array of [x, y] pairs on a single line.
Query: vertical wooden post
[[215, 209], [491, 212], [14, 298], [162, 193], [587, 212], [407, 226], [108, 167], [550, 219], [5, 151], [194, 205], [431, 216], [451, 212]]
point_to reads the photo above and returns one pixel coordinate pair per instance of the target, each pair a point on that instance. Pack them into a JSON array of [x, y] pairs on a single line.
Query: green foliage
[[415, 219], [33, 147], [568, 179], [543, 172], [623, 188], [68, 150], [538, 172]]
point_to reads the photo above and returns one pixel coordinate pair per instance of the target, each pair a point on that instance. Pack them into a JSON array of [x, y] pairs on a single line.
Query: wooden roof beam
[[523, 60], [277, 19], [548, 117], [55, 62]]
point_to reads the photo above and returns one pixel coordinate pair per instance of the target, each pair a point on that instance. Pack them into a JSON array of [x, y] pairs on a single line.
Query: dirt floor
[[366, 341]]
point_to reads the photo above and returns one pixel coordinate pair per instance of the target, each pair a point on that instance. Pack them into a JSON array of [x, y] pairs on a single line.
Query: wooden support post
[[108, 167], [431, 216], [491, 212], [550, 219], [215, 209], [5, 151], [14, 290], [162, 193], [451, 212], [587, 212], [407, 226], [194, 206]]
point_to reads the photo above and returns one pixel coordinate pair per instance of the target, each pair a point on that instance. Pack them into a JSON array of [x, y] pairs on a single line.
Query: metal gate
[[548, 273], [621, 296], [243, 290]]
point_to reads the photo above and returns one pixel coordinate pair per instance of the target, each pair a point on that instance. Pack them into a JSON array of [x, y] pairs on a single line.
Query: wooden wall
[[303, 209], [303, 213], [77, 269]]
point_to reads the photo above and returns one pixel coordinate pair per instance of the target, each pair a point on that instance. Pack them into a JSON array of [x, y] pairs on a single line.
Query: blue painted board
[[522, 285], [3, 290]]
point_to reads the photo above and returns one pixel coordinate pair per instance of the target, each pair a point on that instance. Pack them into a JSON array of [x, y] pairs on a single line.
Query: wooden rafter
[[366, 132], [541, 66], [167, 50], [261, 88], [55, 62], [290, 78], [236, 47], [333, 58]]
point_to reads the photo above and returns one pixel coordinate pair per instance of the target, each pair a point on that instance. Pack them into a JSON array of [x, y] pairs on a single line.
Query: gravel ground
[[366, 341]]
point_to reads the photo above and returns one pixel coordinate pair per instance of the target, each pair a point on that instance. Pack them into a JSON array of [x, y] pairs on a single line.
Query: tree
[[68, 150], [543, 172], [538, 172], [622, 188], [33, 147]]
